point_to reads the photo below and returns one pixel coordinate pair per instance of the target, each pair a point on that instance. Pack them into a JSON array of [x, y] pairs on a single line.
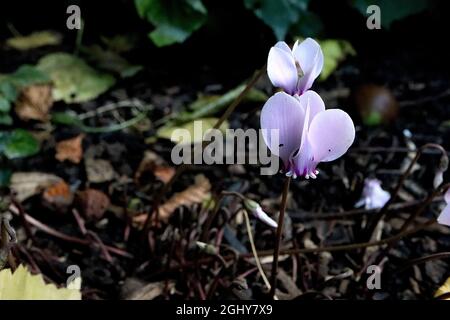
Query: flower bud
[[258, 212]]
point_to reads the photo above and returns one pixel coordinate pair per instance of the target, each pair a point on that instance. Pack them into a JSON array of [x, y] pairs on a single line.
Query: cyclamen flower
[[373, 195], [295, 70], [307, 133], [444, 217]]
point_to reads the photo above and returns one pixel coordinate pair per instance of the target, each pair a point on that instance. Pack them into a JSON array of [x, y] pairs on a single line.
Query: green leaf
[[17, 144], [74, 81], [308, 25], [68, 118], [166, 131], [5, 119], [27, 75], [279, 15], [334, 52], [7, 90], [174, 20], [34, 40], [5, 105], [209, 105], [392, 10], [22, 285]]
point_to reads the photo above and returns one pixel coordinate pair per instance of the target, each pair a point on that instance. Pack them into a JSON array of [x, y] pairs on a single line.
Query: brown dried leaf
[[70, 149], [28, 184], [157, 165], [196, 193], [164, 173], [93, 203], [34, 103], [58, 195], [135, 289]]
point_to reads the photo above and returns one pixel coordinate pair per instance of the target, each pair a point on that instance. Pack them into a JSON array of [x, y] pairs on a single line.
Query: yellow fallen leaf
[[22, 285], [445, 288], [34, 40]]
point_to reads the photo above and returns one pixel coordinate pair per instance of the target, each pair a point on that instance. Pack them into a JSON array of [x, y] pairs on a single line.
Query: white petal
[[444, 217], [284, 113], [281, 69], [316, 104], [309, 55], [331, 133]]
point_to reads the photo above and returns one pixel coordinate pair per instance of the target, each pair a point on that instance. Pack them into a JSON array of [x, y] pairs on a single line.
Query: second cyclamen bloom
[[308, 134], [295, 70]]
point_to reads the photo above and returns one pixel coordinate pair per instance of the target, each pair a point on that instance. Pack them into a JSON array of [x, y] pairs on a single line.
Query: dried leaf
[[93, 203], [164, 173], [58, 195], [196, 193], [153, 162], [35, 102], [28, 184], [70, 149], [99, 170], [445, 288], [22, 285], [135, 289]]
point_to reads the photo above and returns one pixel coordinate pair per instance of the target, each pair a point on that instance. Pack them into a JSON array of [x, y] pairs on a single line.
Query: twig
[[408, 103], [345, 247], [255, 252], [419, 260], [307, 216], [213, 215], [44, 228], [276, 252], [407, 223]]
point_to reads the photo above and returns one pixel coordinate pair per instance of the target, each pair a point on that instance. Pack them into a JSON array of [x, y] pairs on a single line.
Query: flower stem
[[276, 252]]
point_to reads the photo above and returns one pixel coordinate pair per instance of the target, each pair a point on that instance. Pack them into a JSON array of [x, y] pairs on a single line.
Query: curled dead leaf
[[70, 149], [28, 184], [35, 102], [93, 203], [194, 194], [157, 165]]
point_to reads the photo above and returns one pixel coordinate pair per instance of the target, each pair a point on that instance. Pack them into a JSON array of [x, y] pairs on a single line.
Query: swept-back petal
[[316, 104], [330, 134], [281, 68], [284, 113], [309, 55]]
